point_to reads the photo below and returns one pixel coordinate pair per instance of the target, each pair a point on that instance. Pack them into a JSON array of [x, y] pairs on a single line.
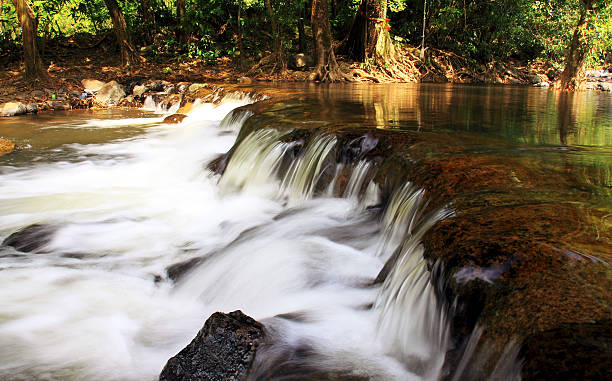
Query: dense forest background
[[265, 34]]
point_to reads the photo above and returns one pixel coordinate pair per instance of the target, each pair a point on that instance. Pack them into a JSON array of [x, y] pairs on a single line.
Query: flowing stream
[[93, 300], [132, 242]]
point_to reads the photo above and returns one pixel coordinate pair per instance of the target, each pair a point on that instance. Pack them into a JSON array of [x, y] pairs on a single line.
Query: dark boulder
[[224, 349]]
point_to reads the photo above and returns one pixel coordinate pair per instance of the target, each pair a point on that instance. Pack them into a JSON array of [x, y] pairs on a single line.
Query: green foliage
[[480, 30]]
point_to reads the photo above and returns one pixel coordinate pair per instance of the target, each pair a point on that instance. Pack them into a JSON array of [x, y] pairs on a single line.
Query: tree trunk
[[577, 50], [180, 14], [422, 54], [239, 28], [275, 32], [148, 18], [129, 55], [369, 36], [31, 57], [326, 69]]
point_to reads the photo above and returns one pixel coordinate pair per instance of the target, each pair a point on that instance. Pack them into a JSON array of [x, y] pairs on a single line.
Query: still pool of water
[[125, 197]]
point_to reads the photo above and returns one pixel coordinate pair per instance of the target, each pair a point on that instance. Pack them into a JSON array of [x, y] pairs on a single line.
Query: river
[[117, 198]]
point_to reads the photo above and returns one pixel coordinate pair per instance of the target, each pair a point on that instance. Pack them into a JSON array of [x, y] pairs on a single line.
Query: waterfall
[[410, 314], [304, 173]]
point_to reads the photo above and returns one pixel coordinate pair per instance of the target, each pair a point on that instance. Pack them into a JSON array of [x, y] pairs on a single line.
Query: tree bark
[[148, 18], [180, 14], [326, 69], [369, 36], [129, 55], [31, 57], [578, 48], [275, 32]]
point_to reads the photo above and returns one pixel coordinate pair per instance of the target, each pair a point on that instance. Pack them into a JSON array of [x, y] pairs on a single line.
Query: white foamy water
[[95, 303]]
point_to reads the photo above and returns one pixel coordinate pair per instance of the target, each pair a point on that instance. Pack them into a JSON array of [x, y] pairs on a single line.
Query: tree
[[148, 18], [31, 57], [577, 50], [369, 36], [129, 55], [326, 69], [180, 14]]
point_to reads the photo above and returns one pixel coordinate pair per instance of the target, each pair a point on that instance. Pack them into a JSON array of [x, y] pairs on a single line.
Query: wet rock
[[110, 94], [59, 105], [178, 270], [31, 239], [92, 85], [197, 86], [224, 349], [168, 101], [13, 108], [6, 146], [186, 108], [570, 351], [129, 101], [218, 164], [245, 80], [139, 90], [174, 119], [32, 108]]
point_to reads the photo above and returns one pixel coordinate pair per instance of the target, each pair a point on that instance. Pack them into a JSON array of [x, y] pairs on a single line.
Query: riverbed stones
[[6, 146], [13, 108], [110, 94], [224, 349]]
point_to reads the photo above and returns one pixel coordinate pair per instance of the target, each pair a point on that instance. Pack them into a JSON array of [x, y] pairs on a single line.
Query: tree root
[[269, 64]]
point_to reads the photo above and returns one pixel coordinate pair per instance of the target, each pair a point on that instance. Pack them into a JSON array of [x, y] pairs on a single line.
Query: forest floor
[[69, 63]]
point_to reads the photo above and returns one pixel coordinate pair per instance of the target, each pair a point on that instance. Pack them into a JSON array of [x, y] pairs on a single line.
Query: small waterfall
[[302, 177], [255, 162], [235, 118], [150, 104], [358, 178], [410, 314]]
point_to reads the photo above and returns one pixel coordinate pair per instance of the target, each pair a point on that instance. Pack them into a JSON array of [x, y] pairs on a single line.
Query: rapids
[[95, 302]]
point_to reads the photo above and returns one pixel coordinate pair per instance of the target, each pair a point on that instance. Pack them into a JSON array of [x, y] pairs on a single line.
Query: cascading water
[[94, 301]]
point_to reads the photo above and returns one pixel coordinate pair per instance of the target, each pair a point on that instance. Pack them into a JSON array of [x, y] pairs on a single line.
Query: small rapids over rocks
[[130, 246]]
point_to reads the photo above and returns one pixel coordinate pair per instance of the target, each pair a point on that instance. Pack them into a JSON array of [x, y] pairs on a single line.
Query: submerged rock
[[6, 146], [224, 349], [31, 239], [13, 108]]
